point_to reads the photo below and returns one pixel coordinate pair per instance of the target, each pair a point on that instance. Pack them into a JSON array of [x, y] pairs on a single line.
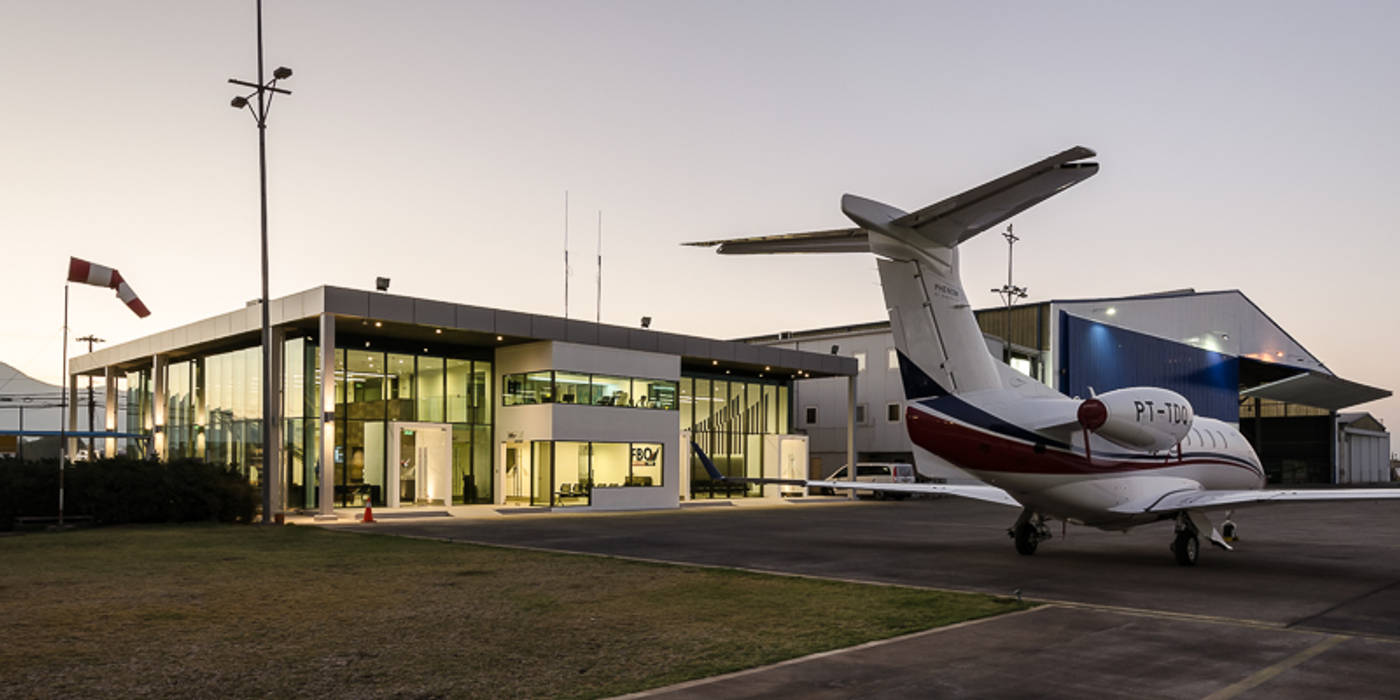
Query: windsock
[[94, 274]]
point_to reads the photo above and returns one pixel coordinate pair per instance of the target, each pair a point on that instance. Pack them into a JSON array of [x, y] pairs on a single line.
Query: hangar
[[431, 402], [1218, 349]]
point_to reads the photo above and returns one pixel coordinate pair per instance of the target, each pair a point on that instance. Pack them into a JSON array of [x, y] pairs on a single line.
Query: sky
[[1244, 145]]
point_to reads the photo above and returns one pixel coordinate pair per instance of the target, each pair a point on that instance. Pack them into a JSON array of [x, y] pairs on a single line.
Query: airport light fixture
[[264, 90]]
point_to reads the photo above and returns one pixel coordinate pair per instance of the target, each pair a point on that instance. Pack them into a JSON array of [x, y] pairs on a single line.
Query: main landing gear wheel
[[1186, 547], [1026, 539]]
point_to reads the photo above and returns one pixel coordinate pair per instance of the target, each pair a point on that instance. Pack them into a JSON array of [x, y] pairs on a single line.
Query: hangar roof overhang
[[1316, 389]]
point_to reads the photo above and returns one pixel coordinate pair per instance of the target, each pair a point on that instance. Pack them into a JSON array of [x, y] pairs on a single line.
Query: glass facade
[[728, 419], [566, 473], [213, 410], [560, 386], [376, 388]]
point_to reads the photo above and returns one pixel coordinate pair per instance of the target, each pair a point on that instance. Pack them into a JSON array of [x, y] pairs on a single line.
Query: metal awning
[[1317, 389]]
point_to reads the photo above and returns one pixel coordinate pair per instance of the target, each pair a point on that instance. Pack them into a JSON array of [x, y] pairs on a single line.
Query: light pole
[[264, 89], [1009, 292]]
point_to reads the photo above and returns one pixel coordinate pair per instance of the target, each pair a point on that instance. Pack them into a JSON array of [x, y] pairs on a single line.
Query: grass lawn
[[237, 611]]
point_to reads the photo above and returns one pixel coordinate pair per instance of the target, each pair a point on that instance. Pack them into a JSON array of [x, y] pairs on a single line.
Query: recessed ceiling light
[[366, 343], [714, 362], [499, 338], [438, 331], [378, 324]]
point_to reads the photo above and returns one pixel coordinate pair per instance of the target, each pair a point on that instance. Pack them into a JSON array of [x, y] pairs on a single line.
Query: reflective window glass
[[429, 390], [571, 480], [480, 393], [646, 464], [571, 387], [610, 464], [612, 391], [458, 381], [655, 393], [399, 389], [365, 384]]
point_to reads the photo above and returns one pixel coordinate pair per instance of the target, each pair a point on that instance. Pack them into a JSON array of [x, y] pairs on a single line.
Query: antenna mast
[[599, 306], [1009, 292], [566, 254]]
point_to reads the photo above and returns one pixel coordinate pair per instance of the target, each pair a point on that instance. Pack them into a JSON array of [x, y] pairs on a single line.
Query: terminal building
[[1218, 349], [390, 400]]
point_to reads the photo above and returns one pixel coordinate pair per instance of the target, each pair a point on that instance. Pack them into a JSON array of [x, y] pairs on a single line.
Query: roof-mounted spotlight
[[835, 349], [381, 283], [646, 322], [282, 73]]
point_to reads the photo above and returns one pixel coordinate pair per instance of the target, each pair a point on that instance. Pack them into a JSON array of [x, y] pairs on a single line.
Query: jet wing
[[1202, 499], [842, 240], [991, 494], [980, 493]]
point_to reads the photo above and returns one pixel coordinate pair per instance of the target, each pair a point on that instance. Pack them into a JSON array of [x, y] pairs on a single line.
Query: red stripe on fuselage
[[978, 451]]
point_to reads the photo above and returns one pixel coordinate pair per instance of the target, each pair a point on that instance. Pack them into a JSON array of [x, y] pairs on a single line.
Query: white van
[[876, 472]]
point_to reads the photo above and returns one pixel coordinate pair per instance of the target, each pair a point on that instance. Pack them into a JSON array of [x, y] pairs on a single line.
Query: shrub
[[126, 490]]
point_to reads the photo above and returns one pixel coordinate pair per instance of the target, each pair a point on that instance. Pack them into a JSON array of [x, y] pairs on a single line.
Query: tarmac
[[1307, 606]]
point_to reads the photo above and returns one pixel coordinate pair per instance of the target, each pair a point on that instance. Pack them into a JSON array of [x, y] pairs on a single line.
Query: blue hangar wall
[[1107, 357]]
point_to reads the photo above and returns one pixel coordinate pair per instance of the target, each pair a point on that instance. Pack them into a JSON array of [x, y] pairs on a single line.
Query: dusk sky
[[1247, 145]]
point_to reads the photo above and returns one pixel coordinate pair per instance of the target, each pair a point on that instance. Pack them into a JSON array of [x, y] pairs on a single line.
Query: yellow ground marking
[[1267, 673]]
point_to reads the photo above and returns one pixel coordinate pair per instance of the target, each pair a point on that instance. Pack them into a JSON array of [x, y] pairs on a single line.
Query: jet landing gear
[[1190, 525], [1028, 532], [1186, 547]]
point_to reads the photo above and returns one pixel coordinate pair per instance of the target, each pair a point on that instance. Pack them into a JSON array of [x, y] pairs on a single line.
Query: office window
[[860, 414], [811, 415], [894, 359], [892, 412], [860, 361]]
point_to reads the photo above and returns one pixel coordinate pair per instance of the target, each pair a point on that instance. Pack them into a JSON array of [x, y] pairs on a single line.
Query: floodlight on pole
[[264, 90]]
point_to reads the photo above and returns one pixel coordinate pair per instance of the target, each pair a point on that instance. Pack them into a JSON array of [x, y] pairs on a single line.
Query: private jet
[[1116, 460]]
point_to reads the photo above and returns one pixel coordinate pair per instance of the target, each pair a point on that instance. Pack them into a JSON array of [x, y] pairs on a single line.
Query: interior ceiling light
[[378, 324], [438, 331], [714, 362], [499, 338]]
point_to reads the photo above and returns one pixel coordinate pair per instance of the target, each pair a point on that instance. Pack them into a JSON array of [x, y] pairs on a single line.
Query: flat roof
[[477, 326]]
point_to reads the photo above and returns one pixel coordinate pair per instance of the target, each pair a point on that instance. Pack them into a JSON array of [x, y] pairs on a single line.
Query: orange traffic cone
[[369, 514]]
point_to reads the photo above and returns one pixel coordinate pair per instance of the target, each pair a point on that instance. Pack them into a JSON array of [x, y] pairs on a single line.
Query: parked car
[[875, 472]]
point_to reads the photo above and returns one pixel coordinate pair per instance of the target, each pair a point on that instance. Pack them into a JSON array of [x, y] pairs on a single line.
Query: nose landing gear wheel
[[1026, 539], [1186, 547]]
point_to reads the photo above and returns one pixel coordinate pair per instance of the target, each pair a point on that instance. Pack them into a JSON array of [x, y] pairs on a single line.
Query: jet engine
[[1139, 418]]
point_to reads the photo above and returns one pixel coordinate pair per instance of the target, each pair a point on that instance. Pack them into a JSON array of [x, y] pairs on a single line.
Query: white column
[[73, 416], [851, 430], [326, 409], [109, 410], [158, 405]]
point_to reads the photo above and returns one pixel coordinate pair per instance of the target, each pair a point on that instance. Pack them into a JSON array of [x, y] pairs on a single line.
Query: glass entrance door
[[420, 463], [516, 462]]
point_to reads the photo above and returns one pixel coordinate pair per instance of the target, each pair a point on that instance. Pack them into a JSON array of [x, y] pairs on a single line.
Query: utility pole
[[90, 339], [1009, 292]]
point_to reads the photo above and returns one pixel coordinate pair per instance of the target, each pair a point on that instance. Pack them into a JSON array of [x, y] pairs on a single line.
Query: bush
[[126, 490]]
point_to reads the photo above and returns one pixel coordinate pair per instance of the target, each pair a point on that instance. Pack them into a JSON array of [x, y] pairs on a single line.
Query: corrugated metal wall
[[1107, 358]]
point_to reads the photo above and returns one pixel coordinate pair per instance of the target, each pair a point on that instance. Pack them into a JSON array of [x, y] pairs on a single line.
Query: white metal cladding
[[1363, 456], [1225, 321]]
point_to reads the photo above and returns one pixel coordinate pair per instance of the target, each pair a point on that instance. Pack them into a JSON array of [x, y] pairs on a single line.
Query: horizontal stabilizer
[[845, 240], [960, 217]]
